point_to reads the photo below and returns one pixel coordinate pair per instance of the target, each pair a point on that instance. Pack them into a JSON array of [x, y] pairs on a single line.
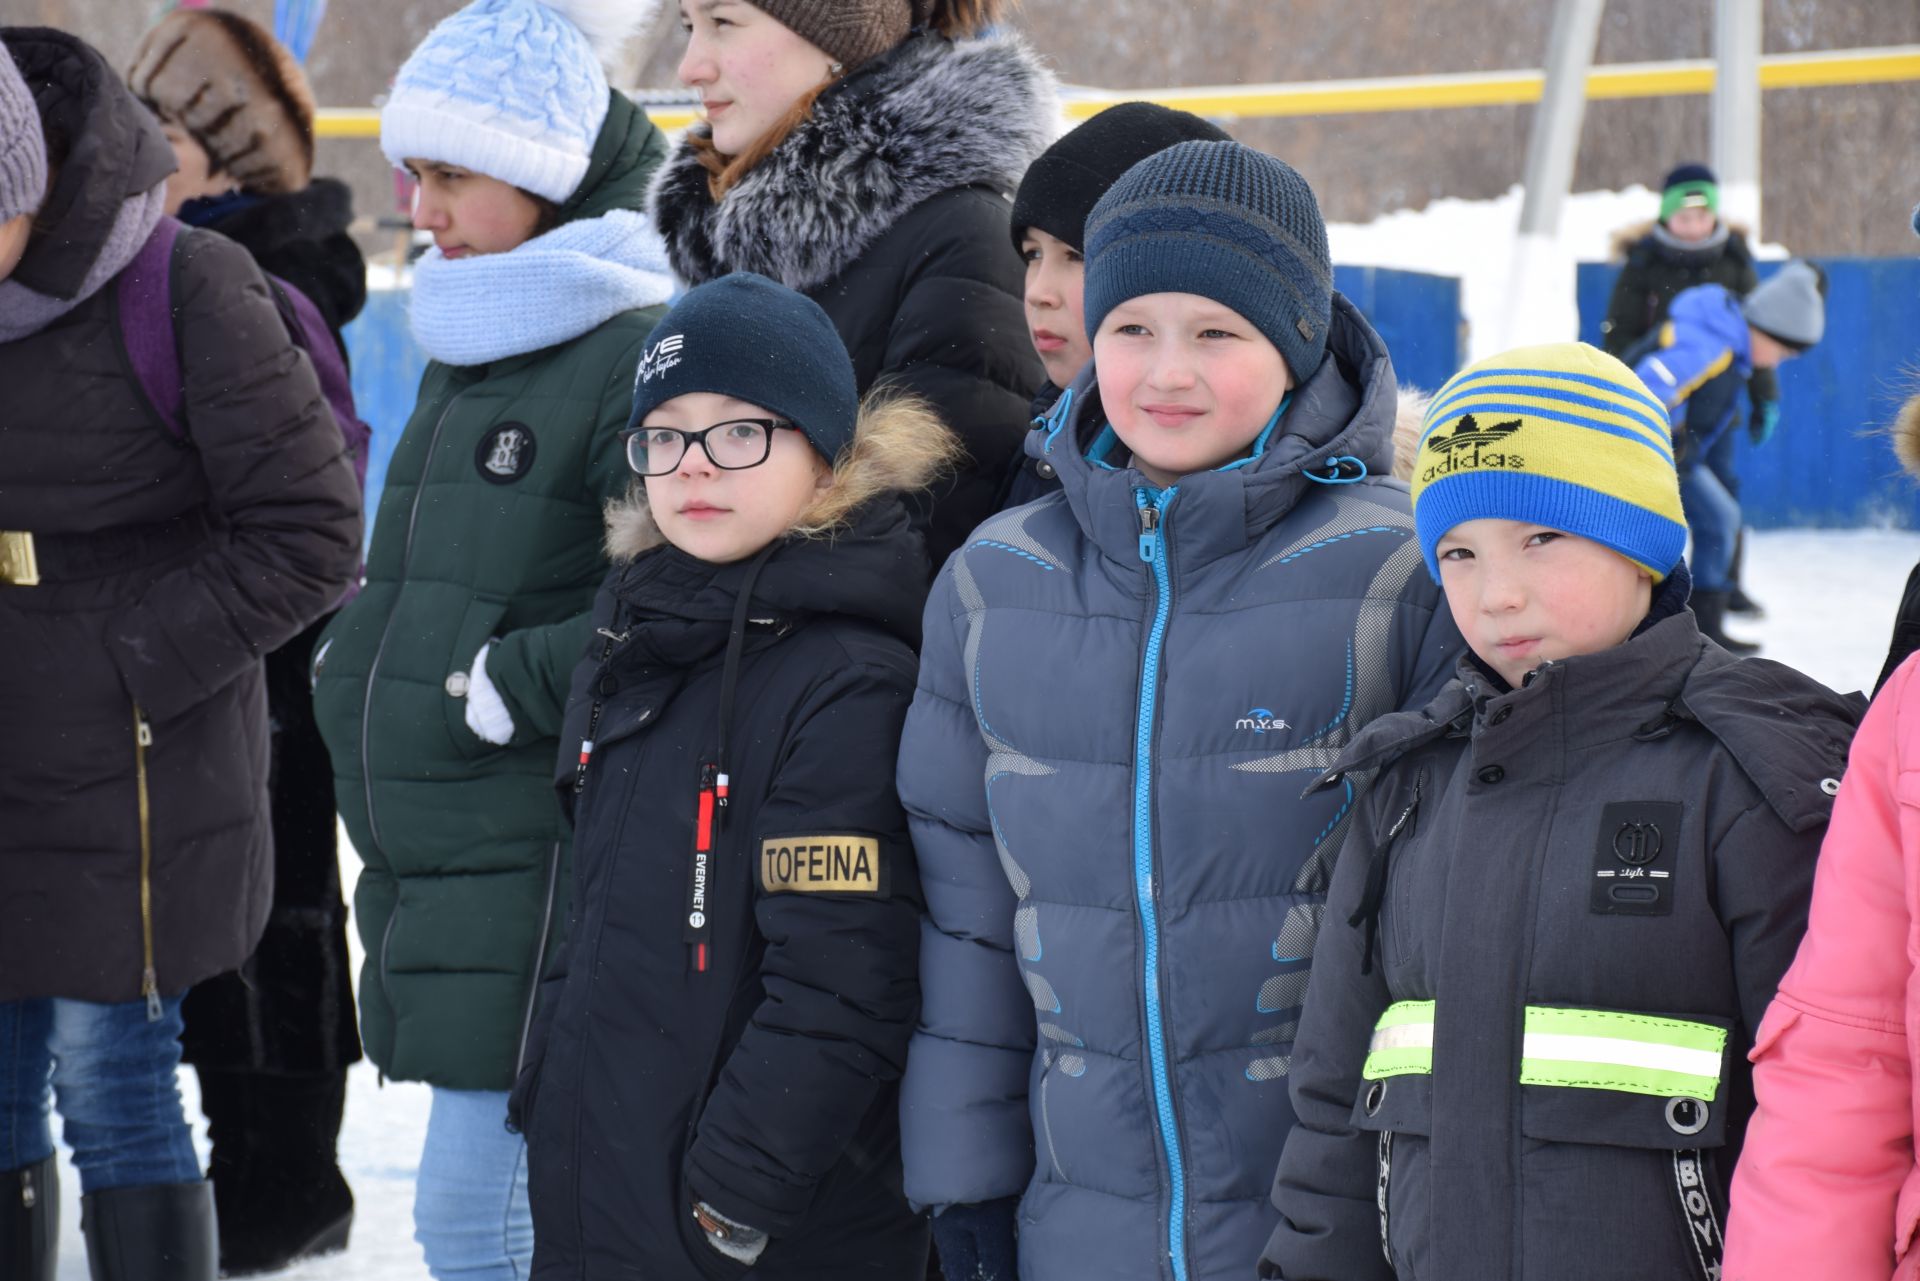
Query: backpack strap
[[144, 298]]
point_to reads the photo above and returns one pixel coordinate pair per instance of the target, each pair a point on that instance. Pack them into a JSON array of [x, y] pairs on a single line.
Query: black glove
[[977, 1242]]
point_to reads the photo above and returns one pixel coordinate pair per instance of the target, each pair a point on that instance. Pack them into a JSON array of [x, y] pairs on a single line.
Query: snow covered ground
[[1830, 597]]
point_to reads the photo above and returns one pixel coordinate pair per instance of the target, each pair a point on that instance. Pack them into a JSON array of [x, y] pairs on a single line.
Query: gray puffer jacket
[[1572, 902], [1122, 693]]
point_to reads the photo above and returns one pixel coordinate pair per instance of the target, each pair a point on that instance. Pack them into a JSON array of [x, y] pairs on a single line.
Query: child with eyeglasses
[[713, 1082]]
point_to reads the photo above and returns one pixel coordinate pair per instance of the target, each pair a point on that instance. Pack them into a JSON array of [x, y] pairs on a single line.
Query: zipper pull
[[1149, 526], [150, 988], [143, 730]]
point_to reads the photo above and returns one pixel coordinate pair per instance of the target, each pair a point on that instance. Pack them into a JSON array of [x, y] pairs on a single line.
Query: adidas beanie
[[1561, 435], [1226, 222]]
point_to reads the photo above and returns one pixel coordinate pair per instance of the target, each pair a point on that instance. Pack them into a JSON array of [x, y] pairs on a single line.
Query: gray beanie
[[23, 149], [1790, 305]]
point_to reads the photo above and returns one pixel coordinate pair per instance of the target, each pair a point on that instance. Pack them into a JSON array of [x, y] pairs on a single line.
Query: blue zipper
[[1153, 550]]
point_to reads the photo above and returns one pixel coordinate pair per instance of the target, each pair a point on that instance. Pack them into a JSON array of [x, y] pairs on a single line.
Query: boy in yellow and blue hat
[[1575, 883]]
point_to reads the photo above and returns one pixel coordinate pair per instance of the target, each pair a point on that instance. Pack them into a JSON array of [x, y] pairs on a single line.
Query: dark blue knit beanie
[[1226, 222], [745, 336]]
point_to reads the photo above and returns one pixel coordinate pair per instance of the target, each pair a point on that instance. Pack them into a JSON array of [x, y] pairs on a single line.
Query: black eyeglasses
[[734, 445]]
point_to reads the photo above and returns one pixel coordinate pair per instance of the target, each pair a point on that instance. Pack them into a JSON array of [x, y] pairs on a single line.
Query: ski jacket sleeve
[[1325, 1187], [1627, 309], [280, 488], [1678, 369], [839, 969], [531, 667], [1819, 1189], [966, 1135]]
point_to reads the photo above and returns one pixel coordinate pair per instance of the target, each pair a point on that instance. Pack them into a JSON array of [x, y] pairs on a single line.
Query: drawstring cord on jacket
[[715, 782]]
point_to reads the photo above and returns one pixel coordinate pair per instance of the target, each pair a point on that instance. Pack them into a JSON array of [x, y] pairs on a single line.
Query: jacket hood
[[679, 608], [1338, 428], [1642, 237], [626, 155], [930, 116], [116, 152], [1715, 311], [302, 237], [1787, 731]]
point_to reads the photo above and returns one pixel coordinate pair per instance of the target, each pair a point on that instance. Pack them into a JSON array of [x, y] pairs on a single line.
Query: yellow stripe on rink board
[[1394, 93]]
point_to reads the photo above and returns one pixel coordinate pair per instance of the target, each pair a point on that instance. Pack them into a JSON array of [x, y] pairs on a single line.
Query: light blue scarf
[[550, 290]]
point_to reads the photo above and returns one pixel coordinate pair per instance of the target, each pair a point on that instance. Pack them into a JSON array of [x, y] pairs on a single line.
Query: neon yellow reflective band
[[1402, 1042], [1632, 1053]]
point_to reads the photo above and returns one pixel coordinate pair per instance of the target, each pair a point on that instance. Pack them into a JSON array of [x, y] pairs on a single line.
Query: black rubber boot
[[29, 1221], [276, 1180], [1710, 611], [1738, 602], [155, 1232]]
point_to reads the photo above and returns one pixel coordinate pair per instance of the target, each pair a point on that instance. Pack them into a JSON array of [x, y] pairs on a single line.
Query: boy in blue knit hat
[[1123, 688], [1575, 883]]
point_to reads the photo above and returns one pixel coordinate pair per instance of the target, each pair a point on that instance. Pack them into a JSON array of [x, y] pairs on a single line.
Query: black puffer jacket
[[1550, 940], [167, 570], [290, 1008], [888, 206], [301, 238], [765, 1085], [1659, 268]]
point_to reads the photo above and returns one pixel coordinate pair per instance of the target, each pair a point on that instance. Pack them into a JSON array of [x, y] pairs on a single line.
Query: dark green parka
[[463, 891]]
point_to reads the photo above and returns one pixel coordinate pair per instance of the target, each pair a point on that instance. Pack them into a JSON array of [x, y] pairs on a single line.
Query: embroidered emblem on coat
[[822, 865], [505, 453]]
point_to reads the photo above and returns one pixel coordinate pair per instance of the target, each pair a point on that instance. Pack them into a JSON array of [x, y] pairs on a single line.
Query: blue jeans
[[1713, 518], [113, 1079], [470, 1212]]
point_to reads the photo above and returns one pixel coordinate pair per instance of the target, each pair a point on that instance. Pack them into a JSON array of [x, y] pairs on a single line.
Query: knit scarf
[[24, 311], [552, 289]]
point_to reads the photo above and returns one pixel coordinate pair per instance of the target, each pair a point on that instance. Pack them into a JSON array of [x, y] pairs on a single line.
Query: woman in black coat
[[271, 1042], [135, 850], [868, 163]]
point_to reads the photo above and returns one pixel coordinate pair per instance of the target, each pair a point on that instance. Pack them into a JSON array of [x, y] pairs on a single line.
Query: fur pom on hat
[[513, 89], [236, 89]]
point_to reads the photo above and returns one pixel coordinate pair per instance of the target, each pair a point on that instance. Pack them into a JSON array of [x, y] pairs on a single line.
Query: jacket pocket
[[477, 626]]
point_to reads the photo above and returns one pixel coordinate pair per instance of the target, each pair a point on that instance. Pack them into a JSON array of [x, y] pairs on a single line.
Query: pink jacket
[[1828, 1186]]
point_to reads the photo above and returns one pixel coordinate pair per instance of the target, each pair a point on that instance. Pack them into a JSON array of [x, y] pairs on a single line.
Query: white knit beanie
[[513, 89]]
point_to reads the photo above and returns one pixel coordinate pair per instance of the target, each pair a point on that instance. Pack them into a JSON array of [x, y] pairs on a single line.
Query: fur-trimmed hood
[[1626, 239], [899, 446], [933, 115], [1906, 436]]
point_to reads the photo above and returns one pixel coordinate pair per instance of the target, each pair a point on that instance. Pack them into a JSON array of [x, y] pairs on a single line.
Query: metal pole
[[1555, 142], [1736, 110], [1540, 303]]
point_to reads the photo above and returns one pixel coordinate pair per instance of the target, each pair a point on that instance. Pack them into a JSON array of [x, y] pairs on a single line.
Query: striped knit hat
[[1563, 436]]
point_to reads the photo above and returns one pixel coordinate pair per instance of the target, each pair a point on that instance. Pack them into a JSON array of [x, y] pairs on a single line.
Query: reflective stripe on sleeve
[[1402, 1041], [1613, 1050]]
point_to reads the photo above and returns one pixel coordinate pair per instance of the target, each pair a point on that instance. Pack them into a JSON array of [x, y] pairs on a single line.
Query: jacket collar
[[1337, 428], [930, 116], [676, 609]]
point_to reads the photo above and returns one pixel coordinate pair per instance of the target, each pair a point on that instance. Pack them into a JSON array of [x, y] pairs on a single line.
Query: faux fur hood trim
[[1409, 412], [1625, 238], [1906, 436], [899, 445], [933, 115]]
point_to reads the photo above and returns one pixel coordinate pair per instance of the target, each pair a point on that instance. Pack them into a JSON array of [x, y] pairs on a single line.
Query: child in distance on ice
[[1577, 880]]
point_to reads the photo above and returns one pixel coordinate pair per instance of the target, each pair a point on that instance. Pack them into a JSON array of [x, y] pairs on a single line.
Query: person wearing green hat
[[1690, 245]]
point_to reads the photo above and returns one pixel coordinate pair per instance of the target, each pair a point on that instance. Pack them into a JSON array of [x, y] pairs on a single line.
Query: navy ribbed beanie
[[1226, 222], [747, 337]]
